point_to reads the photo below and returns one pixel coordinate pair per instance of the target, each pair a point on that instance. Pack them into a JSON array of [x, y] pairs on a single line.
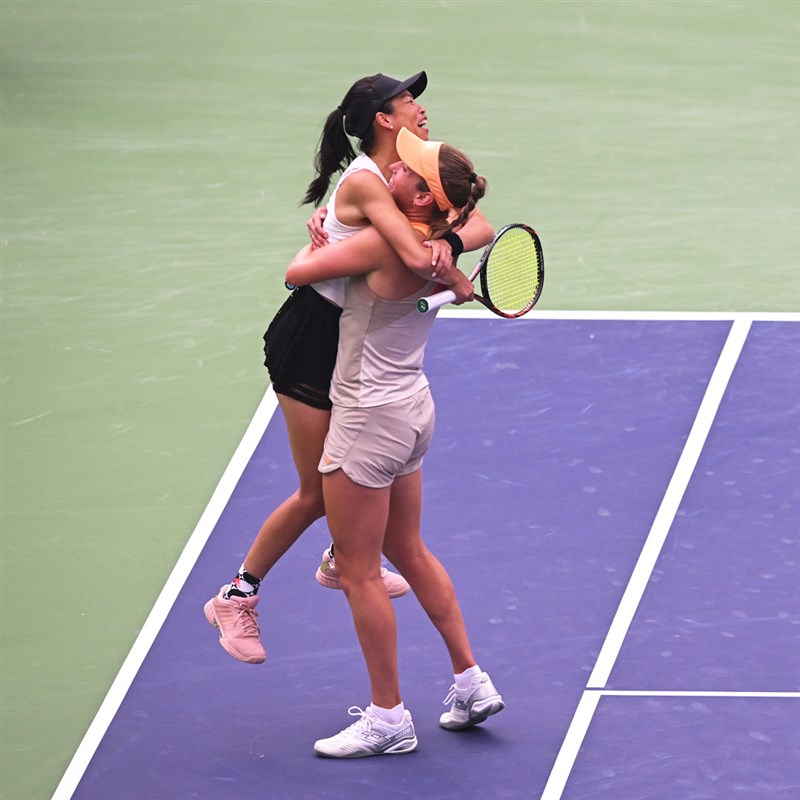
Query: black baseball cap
[[385, 88]]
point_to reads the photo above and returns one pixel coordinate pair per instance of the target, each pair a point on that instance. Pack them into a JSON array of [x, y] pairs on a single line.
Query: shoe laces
[[455, 692], [364, 721], [246, 618], [451, 695]]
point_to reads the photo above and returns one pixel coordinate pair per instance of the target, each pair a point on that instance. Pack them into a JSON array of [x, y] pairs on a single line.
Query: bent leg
[[307, 428]]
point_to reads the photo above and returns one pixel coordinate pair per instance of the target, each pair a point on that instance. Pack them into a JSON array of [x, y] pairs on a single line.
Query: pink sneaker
[[235, 619], [396, 585]]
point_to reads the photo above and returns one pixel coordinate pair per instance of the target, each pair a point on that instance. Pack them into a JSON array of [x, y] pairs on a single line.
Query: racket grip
[[425, 304]]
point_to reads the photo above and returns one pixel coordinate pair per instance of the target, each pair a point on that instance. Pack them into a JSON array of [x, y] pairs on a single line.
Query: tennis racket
[[511, 270]]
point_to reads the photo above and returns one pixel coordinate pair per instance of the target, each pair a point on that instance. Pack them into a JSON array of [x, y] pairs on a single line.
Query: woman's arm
[[476, 232], [364, 195], [365, 251], [357, 254]]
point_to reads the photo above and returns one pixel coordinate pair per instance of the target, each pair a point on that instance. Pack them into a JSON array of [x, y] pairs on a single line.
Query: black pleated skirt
[[300, 347]]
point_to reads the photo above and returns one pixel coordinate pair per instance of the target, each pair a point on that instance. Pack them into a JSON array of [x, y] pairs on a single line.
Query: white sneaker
[[471, 705], [369, 736]]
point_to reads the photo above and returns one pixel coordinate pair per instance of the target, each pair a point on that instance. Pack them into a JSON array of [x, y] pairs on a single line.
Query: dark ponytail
[[335, 150]]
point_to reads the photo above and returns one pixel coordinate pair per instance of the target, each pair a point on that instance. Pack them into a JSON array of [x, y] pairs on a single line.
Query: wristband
[[454, 240]]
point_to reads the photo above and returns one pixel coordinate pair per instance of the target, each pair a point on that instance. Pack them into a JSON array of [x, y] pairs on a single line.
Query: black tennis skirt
[[300, 347]]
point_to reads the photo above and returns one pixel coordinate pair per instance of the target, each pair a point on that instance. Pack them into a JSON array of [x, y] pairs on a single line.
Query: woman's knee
[[311, 501], [408, 559], [356, 570]]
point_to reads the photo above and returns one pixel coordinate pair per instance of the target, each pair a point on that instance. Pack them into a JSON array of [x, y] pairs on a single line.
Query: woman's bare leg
[[233, 612], [307, 428], [404, 547], [357, 518]]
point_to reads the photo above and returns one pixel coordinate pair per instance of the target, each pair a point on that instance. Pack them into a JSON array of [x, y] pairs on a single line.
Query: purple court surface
[[616, 499]]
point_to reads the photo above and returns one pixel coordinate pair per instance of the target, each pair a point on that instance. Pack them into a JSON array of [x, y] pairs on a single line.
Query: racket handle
[[290, 286], [425, 304]]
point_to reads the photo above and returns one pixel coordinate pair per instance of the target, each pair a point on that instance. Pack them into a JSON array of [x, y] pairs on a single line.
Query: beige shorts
[[373, 446]]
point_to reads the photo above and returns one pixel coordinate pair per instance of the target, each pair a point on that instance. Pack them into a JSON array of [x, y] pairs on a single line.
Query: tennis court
[[619, 520], [153, 155]]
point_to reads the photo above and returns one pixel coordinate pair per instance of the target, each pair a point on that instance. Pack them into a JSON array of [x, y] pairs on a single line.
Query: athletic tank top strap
[[333, 290], [335, 229]]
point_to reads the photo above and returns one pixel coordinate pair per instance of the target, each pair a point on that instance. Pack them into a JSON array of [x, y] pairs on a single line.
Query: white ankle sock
[[464, 679], [391, 716]]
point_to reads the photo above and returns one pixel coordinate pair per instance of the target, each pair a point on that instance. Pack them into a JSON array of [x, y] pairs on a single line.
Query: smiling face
[[404, 186], [408, 113]]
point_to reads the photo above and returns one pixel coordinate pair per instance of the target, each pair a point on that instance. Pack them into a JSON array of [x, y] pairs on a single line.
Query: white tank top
[[333, 290]]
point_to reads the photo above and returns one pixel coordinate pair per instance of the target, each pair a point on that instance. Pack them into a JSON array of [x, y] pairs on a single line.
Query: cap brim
[[415, 85]]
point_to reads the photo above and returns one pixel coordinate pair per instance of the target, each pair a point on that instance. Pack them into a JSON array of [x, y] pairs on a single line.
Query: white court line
[[465, 312], [144, 641], [682, 693], [572, 743], [583, 717], [647, 558], [219, 499], [670, 504]]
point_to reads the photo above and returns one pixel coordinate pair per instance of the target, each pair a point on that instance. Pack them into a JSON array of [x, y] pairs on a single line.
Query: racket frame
[[438, 299]]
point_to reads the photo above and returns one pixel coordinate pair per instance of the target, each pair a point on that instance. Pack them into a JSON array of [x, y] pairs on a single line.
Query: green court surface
[[153, 158]]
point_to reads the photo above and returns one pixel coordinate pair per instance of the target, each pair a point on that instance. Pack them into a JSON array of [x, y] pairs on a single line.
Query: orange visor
[[423, 158]]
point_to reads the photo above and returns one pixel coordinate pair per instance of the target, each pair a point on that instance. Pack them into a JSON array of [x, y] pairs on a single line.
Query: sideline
[[565, 760], [172, 588]]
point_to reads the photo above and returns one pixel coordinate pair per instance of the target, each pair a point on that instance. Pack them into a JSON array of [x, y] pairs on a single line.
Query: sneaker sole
[[406, 746], [208, 610], [333, 583], [324, 580], [478, 713], [398, 592]]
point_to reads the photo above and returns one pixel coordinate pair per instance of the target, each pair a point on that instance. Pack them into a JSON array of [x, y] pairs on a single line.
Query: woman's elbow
[[419, 261], [486, 233], [295, 276], [296, 269]]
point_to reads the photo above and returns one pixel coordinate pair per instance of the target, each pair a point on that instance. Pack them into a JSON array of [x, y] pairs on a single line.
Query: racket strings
[[512, 275]]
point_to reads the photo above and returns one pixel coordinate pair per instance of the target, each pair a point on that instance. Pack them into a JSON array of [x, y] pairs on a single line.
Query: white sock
[[464, 679], [391, 716]]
